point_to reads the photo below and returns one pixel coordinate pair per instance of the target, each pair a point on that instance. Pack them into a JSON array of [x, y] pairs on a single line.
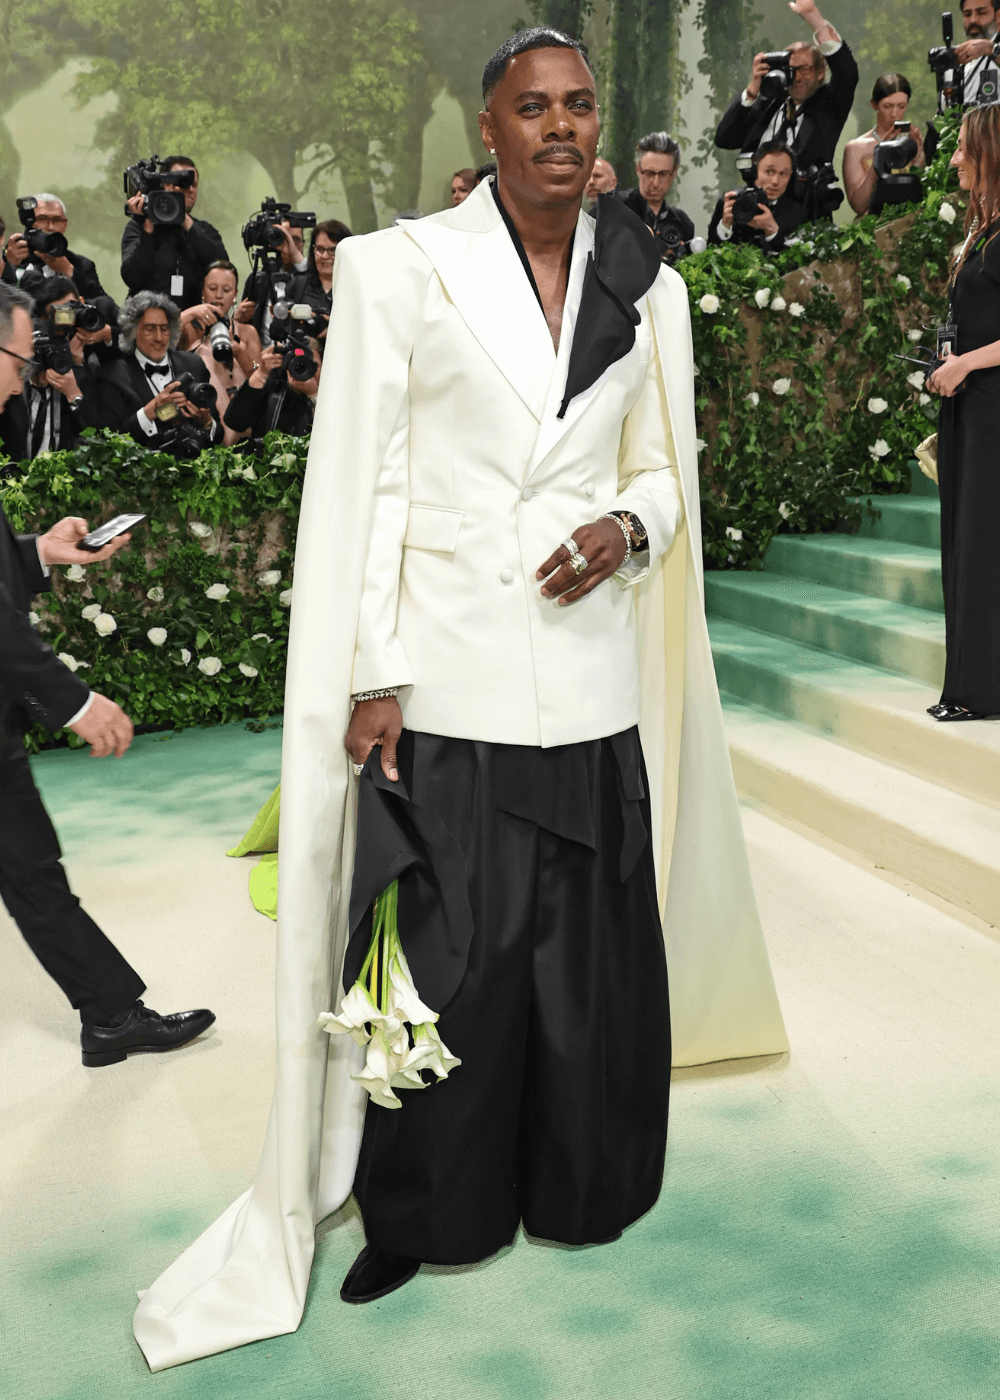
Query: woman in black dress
[[969, 437]]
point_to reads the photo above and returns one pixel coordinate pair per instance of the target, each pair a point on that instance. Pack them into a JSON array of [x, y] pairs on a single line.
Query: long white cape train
[[246, 1277]]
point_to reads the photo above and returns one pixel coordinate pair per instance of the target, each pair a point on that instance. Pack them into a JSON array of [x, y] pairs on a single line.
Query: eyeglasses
[[321, 252], [27, 367], [800, 68]]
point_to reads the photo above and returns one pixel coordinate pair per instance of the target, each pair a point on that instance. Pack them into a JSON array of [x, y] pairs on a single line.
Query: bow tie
[[158, 369]]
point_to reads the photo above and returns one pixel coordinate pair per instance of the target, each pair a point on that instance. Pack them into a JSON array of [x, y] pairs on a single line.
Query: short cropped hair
[[773, 148], [888, 84], [484, 172], [54, 289], [660, 143], [131, 312], [541, 37], [46, 198], [169, 162], [11, 299]]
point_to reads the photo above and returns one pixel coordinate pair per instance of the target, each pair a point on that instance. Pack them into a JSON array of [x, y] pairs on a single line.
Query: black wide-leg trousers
[[557, 1115], [74, 952]]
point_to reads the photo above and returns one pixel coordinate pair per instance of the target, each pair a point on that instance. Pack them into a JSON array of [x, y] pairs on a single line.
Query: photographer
[[657, 158], [315, 288], [168, 258], [255, 307], [59, 400], [230, 352], [146, 392], [275, 399], [25, 267], [765, 213], [890, 99], [803, 111], [980, 76]]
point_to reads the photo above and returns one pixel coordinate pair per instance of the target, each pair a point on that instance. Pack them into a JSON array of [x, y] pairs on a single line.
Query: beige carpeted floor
[[829, 1224]]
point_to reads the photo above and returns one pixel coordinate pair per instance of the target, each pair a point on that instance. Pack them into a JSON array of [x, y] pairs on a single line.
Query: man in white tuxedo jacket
[[497, 589]]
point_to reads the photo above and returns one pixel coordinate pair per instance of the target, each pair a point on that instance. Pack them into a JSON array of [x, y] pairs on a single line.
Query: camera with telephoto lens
[[818, 190], [159, 205], [51, 348], [263, 230], [222, 343], [943, 62], [888, 158], [778, 79], [291, 327], [198, 392], [748, 204], [53, 245]]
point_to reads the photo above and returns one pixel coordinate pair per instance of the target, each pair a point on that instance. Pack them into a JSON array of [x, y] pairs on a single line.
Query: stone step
[[909, 641], [942, 841], [906, 519], [903, 573], [871, 709]]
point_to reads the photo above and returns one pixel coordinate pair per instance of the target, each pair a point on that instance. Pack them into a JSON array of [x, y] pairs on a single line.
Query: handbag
[[926, 455]]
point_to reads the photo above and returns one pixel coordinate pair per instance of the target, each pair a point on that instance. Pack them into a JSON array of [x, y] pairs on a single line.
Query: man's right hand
[[376, 722], [17, 250], [727, 208], [106, 728], [135, 206], [244, 312], [760, 71], [171, 394]]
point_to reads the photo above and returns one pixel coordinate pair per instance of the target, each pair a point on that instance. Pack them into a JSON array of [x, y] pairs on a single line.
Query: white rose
[[249, 671], [185, 655], [209, 665], [781, 386], [778, 304], [796, 309], [762, 296], [76, 573], [784, 510], [269, 579], [876, 405], [914, 335], [260, 637], [879, 448], [753, 398], [68, 660], [947, 213], [218, 592], [34, 618], [285, 598], [105, 624], [201, 531], [923, 399], [904, 282], [709, 304], [155, 595], [733, 533], [157, 635], [700, 444], [916, 379], [91, 611]]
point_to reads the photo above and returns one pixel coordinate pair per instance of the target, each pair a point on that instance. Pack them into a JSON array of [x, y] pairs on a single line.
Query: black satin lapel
[[624, 265]]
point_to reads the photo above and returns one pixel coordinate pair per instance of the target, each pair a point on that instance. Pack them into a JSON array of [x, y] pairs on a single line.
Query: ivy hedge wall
[[802, 406]]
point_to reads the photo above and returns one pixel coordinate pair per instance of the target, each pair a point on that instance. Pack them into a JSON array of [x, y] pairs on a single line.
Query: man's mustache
[[559, 149]]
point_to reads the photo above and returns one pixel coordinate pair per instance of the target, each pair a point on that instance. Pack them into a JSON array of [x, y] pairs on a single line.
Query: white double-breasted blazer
[[481, 481]]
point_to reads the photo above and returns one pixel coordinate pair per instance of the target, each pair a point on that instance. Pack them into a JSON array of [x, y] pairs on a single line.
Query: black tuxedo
[[35, 685], [85, 278], [276, 407], [823, 116], [15, 419], [788, 215], [150, 260], [122, 389]]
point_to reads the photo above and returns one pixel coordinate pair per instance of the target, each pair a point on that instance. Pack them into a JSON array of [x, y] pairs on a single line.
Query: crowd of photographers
[[189, 359]]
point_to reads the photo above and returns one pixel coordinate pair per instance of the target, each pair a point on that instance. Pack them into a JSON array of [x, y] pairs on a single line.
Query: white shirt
[[159, 376], [981, 82], [777, 126]]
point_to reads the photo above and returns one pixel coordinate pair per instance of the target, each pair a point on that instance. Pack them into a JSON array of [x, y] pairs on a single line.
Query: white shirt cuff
[[303, 265], [46, 571], [746, 100], [81, 712], [830, 46], [769, 236], [147, 427], [635, 570], [724, 233]]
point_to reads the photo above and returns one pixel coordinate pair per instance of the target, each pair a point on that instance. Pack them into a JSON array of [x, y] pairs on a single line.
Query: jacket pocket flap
[[433, 527]]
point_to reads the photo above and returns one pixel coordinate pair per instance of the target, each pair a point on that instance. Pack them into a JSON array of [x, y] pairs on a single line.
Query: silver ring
[[570, 546], [359, 768], [578, 563]]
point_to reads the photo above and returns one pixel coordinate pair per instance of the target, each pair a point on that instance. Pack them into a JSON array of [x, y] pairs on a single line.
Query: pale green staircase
[[827, 661]]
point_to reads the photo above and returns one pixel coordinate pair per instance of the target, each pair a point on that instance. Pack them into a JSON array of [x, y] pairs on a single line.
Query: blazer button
[[527, 494], [590, 489], [506, 575]]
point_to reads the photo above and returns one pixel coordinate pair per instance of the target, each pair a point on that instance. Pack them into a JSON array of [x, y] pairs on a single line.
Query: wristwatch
[[635, 528], [77, 402]]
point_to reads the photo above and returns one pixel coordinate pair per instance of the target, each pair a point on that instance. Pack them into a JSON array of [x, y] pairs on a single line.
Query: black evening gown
[[969, 479]]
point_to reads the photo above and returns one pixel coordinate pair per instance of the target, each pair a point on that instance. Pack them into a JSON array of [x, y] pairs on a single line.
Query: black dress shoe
[[947, 713], [937, 709], [375, 1273], [142, 1031]]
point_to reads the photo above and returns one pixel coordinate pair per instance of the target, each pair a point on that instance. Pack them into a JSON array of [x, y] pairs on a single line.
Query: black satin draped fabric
[[560, 1013]]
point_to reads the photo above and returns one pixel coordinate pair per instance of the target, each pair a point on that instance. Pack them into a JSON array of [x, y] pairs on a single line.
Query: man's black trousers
[[557, 1115], [74, 952]]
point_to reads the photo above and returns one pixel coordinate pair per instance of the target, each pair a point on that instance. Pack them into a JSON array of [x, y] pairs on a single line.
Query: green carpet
[[827, 1227]]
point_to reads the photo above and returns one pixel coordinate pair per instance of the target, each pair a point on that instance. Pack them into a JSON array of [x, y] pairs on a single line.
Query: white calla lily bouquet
[[383, 1011]]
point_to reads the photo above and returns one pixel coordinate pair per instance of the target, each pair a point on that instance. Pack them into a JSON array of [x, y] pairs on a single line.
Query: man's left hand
[[972, 49], [766, 222], [59, 545], [602, 544], [65, 383], [62, 266]]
